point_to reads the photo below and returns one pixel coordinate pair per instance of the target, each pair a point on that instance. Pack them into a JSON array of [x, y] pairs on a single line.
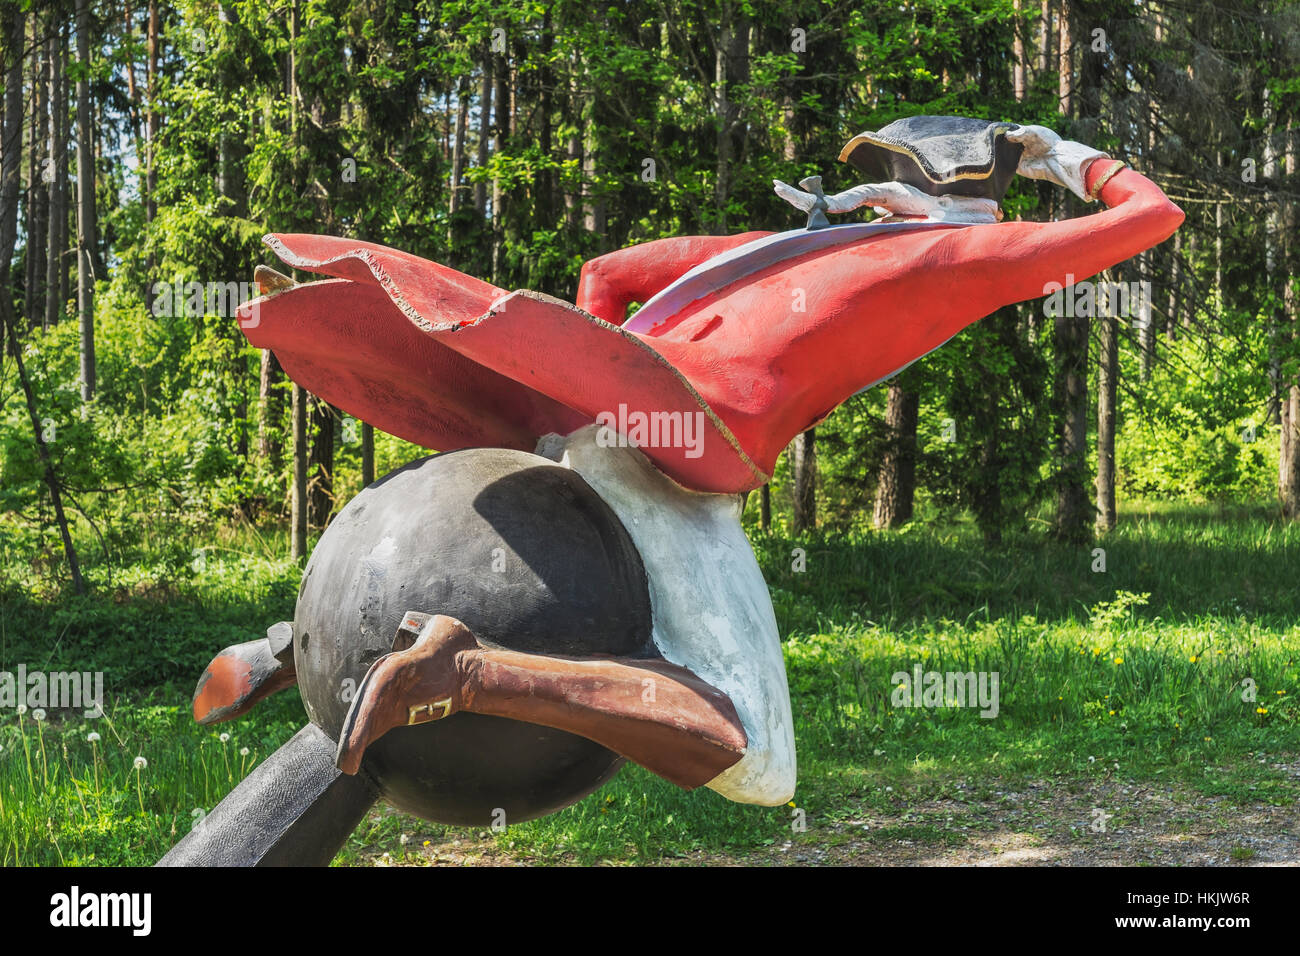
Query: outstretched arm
[[1020, 260], [609, 283], [875, 306]]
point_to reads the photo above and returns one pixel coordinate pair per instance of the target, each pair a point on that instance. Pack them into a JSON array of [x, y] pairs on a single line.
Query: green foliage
[[1236, 462]]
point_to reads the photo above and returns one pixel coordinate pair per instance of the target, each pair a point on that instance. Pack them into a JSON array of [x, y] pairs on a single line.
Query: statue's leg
[[244, 674], [296, 809], [652, 712], [711, 609]]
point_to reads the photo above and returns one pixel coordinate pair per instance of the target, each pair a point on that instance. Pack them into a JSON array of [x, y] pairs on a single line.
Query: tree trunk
[[574, 211], [1107, 380], [231, 157], [1065, 51], [1221, 299], [299, 501], [1272, 228], [151, 112], [321, 490], [1073, 509], [547, 199], [11, 138], [1147, 262], [484, 130], [367, 455], [86, 228], [1019, 69], [147, 173], [56, 234], [500, 129], [454, 201], [1073, 512], [1288, 486], [67, 225], [765, 507], [38, 194], [1289, 459], [270, 409], [731, 68], [897, 482], [803, 459], [132, 89], [1175, 296], [1045, 35], [595, 207]]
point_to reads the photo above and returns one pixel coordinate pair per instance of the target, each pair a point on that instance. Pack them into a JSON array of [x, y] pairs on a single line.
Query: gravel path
[[1048, 823]]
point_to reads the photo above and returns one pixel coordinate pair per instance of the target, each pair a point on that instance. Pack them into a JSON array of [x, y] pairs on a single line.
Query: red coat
[[448, 361]]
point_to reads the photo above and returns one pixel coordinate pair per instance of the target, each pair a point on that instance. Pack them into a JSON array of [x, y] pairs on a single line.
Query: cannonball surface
[[531, 559]]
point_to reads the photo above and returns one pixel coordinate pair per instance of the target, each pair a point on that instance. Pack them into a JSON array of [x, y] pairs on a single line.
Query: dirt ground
[[1048, 823]]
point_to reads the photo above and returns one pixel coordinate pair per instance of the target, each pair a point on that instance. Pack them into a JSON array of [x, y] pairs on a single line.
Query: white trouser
[[710, 605]]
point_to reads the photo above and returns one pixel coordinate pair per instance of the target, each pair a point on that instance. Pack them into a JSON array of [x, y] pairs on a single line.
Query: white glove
[[898, 199], [1060, 161], [904, 200]]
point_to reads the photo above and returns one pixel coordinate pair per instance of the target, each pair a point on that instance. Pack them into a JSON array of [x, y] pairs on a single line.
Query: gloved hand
[[898, 199], [1060, 161], [903, 200]]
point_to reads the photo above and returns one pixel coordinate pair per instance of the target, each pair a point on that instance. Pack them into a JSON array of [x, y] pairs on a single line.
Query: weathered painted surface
[[448, 361], [709, 603], [241, 675]]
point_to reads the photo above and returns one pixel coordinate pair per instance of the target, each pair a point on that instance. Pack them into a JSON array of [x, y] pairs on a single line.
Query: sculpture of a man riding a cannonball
[[488, 633]]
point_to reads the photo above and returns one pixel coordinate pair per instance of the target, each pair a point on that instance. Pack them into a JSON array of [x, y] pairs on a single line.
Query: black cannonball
[[531, 559]]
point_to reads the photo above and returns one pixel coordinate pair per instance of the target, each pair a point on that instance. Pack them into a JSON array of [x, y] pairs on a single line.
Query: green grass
[[69, 801], [1136, 673]]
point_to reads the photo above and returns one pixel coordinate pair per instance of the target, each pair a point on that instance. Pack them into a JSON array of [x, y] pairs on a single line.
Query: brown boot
[[414, 686]]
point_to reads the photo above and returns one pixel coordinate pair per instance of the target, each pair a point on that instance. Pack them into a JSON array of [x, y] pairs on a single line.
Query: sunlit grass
[[1178, 663], [121, 789]]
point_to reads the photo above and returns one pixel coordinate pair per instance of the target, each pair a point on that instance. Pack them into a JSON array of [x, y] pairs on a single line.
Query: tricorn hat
[[939, 155]]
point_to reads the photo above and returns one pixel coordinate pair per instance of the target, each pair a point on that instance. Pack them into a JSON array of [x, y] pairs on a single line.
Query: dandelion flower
[[140, 763], [22, 709], [38, 714], [243, 751], [1112, 713], [224, 738], [405, 839], [1096, 652], [93, 737], [1118, 661], [426, 842], [1261, 710], [1192, 658]]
